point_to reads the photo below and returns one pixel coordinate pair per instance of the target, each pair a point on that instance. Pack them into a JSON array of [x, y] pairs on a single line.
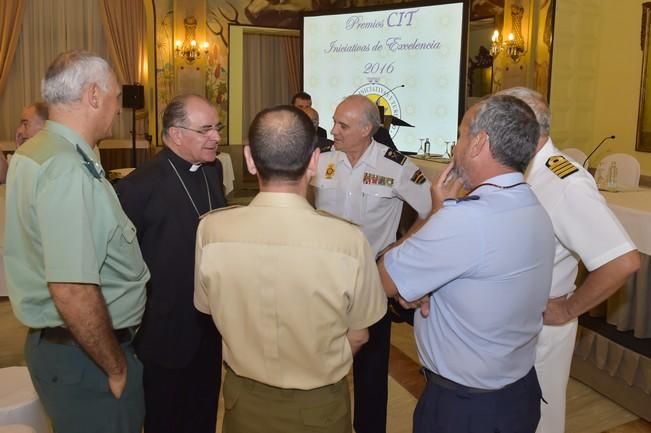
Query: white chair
[[19, 403], [628, 169], [576, 154]]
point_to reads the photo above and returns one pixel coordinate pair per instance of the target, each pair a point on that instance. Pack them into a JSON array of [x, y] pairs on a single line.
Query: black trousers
[[184, 400], [512, 409], [371, 379]]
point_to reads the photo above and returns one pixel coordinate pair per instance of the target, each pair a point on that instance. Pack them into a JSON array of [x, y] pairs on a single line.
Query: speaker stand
[[133, 138]]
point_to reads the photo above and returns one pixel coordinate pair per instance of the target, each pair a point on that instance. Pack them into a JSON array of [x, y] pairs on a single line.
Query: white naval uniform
[[585, 230], [371, 193]]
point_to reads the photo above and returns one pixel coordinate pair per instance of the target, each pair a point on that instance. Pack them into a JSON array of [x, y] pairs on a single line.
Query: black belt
[[61, 335], [436, 379]]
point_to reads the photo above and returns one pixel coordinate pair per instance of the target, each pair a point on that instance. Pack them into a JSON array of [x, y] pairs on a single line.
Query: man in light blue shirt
[[481, 269]]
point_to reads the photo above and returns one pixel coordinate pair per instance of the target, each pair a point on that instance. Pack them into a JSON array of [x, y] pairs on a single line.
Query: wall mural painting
[[219, 16], [544, 49], [266, 13], [164, 54]]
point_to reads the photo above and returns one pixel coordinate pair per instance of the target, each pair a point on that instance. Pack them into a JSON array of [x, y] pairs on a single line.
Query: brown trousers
[[252, 407]]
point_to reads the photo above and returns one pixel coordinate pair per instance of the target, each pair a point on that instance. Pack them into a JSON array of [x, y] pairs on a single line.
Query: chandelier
[[189, 49], [514, 45]]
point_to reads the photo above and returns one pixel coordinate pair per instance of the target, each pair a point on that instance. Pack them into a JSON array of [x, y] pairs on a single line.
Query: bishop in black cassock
[[180, 347]]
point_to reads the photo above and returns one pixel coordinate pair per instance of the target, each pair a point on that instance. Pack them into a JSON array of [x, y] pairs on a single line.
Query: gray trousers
[[74, 390]]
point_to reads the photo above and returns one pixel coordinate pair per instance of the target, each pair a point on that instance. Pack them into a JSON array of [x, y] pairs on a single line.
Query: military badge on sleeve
[[418, 177]]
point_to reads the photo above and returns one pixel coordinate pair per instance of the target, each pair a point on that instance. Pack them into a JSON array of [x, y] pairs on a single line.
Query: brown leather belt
[[61, 335]]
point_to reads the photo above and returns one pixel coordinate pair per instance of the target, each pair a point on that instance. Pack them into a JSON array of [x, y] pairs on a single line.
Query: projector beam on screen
[[416, 51]]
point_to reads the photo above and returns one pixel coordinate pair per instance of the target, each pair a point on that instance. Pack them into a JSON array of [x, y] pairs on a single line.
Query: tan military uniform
[[284, 284]]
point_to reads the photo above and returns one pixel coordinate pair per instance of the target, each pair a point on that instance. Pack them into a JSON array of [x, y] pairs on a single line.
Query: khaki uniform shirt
[[284, 284], [64, 224]]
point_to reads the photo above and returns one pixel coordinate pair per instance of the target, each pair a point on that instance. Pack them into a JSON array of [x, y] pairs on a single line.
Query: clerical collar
[[181, 163]]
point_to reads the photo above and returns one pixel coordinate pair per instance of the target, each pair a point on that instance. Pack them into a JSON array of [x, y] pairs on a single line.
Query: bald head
[[369, 112], [282, 141]]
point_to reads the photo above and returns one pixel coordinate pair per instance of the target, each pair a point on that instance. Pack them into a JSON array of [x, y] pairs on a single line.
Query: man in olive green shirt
[[75, 274]]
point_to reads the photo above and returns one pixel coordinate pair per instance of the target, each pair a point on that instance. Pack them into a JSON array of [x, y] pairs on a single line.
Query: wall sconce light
[[189, 49], [496, 44], [514, 45]]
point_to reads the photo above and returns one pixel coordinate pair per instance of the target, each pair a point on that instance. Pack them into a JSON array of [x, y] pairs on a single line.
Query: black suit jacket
[[156, 202]]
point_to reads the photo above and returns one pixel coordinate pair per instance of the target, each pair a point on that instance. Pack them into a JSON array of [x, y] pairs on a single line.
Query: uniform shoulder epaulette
[[331, 215], [219, 210], [395, 156], [560, 166]]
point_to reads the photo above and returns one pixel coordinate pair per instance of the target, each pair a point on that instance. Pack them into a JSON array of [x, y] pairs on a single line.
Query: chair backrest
[[576, 154], [628, 169]]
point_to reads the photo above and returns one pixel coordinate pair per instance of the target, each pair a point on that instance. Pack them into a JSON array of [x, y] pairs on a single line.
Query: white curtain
[[267, 74], [49, 28]]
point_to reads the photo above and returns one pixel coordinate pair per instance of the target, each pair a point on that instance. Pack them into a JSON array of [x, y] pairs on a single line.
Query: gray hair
[[511, 127], [370, 112], [536, 102], [69, 74]]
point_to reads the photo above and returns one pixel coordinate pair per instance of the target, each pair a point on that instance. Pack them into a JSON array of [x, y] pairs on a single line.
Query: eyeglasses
[[204, 130]]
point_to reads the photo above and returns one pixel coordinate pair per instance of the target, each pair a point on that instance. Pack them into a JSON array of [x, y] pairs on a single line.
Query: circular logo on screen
[[382, 96]]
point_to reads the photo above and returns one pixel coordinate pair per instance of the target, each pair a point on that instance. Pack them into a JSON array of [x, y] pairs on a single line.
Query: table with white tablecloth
[[630, 308], [431, 167], [633, 209]]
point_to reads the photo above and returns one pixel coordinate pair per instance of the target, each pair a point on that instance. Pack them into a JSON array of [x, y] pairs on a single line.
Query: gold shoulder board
[[560, 166]]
